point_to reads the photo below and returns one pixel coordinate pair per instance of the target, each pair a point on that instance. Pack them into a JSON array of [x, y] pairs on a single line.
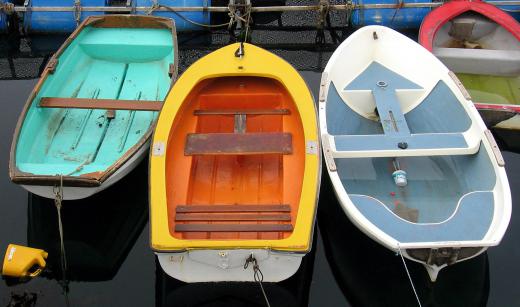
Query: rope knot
[[8, 8]]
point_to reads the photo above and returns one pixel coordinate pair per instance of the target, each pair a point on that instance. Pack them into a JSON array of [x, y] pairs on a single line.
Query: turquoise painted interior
[[436, 184], [105, 63]]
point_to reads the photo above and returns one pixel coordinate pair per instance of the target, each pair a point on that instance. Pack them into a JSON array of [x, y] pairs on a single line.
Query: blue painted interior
[[342, 120], [470, 222], [383, 91], [109, 63], [420, 128], [436, 184]]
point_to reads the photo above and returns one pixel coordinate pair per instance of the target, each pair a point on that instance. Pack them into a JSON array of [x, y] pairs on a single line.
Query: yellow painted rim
[[222, 63]]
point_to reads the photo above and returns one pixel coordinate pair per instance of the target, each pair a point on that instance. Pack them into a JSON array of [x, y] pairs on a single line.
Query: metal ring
[[382, 84]]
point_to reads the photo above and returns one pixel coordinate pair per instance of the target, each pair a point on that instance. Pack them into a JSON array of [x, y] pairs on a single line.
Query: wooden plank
[[232, 208], [233, 227], [243, 111], [105, 104], [238, 143], [231, 217]]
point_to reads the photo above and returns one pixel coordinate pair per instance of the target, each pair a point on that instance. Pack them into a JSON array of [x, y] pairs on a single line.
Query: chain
[[258, 276], [408, 273]]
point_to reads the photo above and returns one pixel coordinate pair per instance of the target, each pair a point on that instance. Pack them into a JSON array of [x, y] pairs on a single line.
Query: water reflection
[[98, 231], [371, 275], [291, 292]]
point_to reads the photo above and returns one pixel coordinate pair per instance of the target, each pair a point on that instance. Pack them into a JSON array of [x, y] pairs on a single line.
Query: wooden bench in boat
[[239, 142], [104, 104], [242, 111], [233, 213]]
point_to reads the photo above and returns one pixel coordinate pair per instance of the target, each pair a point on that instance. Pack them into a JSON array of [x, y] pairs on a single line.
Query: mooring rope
[[409, 276], [232, 16], [258, 276], [58, 198]]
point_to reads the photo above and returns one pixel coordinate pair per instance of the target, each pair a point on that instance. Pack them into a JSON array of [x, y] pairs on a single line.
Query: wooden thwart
[[104, 104], [232, 208], [242, 111], [233, 227], [231, 217], [238, 143]]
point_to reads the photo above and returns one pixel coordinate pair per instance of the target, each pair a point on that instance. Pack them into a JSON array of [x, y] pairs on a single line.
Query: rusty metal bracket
[[51, 65], [311, 147], [330, 160], [323, 86], [171, 70], [494, 147]]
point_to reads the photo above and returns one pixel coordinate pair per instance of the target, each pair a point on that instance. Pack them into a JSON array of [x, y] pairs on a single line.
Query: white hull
[[73, 193], [228, 265], [375, 44]]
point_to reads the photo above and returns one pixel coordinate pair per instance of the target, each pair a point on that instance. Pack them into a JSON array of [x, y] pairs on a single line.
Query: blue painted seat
[[381, 142], [470, 222], [397, 137]]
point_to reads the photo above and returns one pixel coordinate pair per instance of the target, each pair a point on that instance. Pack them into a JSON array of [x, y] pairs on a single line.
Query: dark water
[[106, 236]]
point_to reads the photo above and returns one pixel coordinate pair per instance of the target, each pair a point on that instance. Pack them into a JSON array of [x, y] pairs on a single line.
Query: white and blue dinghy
[[410, 159]]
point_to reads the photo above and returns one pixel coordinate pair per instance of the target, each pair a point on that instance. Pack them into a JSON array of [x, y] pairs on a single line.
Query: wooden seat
[[239, 213], [104, 104], [238, 143], [242, 111]]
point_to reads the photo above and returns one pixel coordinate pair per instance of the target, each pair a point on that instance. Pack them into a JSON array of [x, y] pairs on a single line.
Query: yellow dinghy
[[235, 169]]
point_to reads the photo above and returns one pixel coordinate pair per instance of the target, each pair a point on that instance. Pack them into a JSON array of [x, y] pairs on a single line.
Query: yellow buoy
[[21, 261]]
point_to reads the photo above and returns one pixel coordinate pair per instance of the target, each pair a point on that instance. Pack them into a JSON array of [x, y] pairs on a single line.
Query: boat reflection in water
[[99, 231], [293, 291], [371, 275]]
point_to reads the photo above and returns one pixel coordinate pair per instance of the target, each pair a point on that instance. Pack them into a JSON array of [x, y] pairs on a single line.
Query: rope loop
[[258, 276]]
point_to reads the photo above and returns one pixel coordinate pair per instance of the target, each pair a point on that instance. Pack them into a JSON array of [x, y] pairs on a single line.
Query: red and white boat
[[481, 44]]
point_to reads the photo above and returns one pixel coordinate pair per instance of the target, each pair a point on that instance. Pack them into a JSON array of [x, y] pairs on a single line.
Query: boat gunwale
[[300, 240], [94, 179]]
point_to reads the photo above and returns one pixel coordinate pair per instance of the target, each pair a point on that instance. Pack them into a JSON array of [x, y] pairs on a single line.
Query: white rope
[[58, 197], [408, 273]]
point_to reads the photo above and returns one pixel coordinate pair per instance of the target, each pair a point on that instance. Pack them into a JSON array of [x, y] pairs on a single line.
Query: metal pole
[[225, 9]]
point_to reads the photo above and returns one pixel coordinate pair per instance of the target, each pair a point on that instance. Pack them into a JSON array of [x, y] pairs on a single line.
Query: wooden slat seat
[[231, 217], [195, 218], [233, 227], [104, 104], [232, 208], [242, 111], [238, 143]]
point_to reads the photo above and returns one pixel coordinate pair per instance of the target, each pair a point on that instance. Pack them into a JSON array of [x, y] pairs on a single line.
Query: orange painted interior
[[234, 179]]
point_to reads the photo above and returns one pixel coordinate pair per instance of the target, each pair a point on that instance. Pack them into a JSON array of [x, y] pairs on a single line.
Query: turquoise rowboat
[[88, 121]]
